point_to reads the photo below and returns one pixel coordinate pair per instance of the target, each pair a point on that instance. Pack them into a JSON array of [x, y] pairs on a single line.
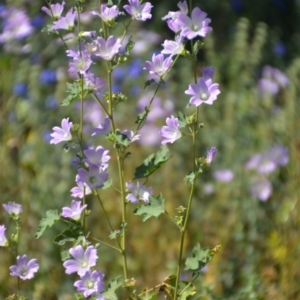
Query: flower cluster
[[264, 164], [272, 81], [24, 268]]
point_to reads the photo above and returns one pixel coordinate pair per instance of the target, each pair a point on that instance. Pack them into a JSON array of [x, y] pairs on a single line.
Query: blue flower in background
[[48, 77], [237, 6], [20, 89], [279, 49], [135, 69], [38, 21], [51, 102]]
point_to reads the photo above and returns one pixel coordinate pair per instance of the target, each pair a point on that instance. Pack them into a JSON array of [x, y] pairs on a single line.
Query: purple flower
[[73, 212], [138, 192], [13, 208], [208, 73], [197, 25], [81, 189], [3, 239], [280, 155], [103, 128], [107, 49], [62, 134], [159, 64], [108, 14], [93, 178], [97, 157], [93, 83], [80, 63], [83, 260], [16, 25], [223, 175], [140, 12], [173, 47], [55, 10], [66, 22], [261, 189], [171, 132], [90, 283], [203, 92], [211, 153], [174, 14], [25, 268], [267, 87]]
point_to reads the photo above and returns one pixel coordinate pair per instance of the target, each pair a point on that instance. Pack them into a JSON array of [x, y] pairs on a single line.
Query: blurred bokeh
[[248, 201]]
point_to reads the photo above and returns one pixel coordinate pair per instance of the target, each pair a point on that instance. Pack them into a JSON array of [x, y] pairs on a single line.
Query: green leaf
[[154, 208], [117, 233], [79, 296], [64, 254], [107, 184], [51, 218], [152, 163], [68, 235], [142, 116], [74, 92], [182, 120], [129, 45], [200, 257], [197, 46], [121, 139], [191, 176], [110, 293]]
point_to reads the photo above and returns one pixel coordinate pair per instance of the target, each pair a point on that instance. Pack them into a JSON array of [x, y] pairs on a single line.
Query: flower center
[[84, 264], [204, 96], [90, 284]]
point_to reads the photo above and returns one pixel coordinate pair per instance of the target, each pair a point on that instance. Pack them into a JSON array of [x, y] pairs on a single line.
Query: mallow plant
[[106, 50]]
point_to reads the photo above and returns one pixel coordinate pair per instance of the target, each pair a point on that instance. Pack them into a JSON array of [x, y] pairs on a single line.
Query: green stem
[[106, 244], [120, 171]]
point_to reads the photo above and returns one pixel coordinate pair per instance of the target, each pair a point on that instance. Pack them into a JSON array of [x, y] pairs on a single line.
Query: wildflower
[[25, 268], [108, 14], [13, 208], [83, 260], [261, 189], [66, 22], [138, 192], [97, 157], [107, 49], [81, 189], [223, 175], [171, 132], [208, 73], [203, 92], [93, 83], [3, 239], [73, 212], [62, 134], [197, 25], [55, 10], [279, 155], [211, 153], [15, 26], [80, 63], [140, 12], [103, 128], [93, 178], [159, 65], [173, 47], [174, 14], [90, 283]]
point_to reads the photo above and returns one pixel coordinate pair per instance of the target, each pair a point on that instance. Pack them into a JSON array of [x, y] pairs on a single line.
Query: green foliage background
[[260, 240]]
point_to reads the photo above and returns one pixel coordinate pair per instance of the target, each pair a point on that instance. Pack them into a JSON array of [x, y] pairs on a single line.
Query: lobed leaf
[[152, 163], [51, 218], [154, 208]]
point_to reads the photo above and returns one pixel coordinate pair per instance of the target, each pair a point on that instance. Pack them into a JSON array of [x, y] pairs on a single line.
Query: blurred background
[[248, 201]]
